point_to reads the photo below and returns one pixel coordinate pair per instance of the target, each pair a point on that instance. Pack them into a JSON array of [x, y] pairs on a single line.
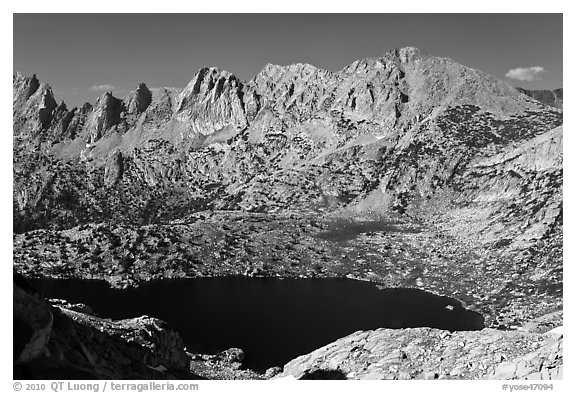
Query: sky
[[83, 55]]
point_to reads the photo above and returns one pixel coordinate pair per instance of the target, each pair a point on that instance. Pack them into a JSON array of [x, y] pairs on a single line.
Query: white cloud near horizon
[[527, 74], [102, 88]]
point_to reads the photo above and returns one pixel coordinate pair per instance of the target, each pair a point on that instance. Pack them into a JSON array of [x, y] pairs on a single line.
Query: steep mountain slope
[[408, 138]]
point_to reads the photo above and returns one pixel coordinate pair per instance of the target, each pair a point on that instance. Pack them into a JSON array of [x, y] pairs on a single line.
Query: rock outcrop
[[105, 115], [425, 353], [212, 102], [52, 341], [34, 104], [139, 100]]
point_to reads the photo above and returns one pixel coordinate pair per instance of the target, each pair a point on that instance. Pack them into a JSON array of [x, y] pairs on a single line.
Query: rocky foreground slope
[[59, 340], [406, 170], [425, 353]]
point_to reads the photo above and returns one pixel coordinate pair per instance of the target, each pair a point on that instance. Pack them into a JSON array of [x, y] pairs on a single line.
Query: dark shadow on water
[[344, 230], [272, 320]]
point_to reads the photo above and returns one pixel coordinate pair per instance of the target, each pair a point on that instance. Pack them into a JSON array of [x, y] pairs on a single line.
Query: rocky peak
[[105, 115], [296, 90], [272, 74], [24, 87], [87, 107], [67, 125], [303, 69], [60, 120], [211, 101], [139, 99], [208, 82], [390, 60], [436, 83], [45, 99], [33, 105], [364, 65], [270, 70], [409, 54], [161, 106], [61, 107]]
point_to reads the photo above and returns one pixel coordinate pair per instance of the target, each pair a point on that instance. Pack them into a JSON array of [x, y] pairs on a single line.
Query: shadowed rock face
[[24, 88], [33, 106], [105, 115], [139, 100], [56, 342], [32, 322]]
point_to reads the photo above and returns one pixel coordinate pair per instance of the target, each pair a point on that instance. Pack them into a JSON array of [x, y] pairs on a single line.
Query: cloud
[[528, 74], [102, 88]]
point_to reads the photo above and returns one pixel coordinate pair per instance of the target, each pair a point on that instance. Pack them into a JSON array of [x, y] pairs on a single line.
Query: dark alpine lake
[[272, 320]]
